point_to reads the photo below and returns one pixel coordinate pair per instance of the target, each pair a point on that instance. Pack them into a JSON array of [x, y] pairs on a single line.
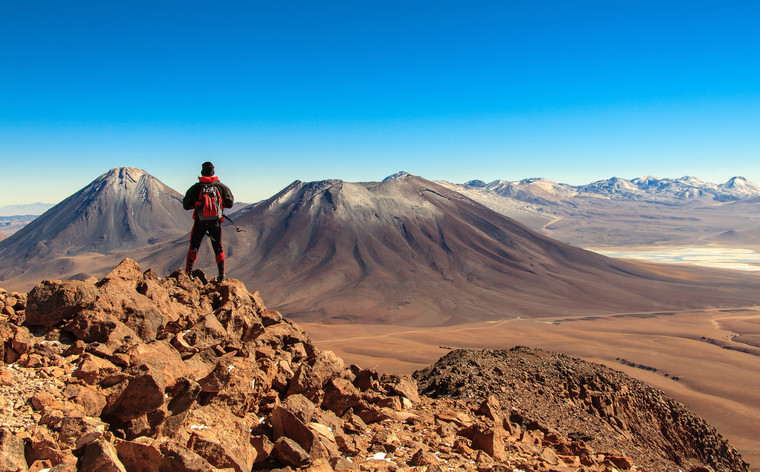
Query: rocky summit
[[137, 372]]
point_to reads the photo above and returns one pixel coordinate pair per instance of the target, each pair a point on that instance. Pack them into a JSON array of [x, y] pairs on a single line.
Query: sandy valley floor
[[708, 360]]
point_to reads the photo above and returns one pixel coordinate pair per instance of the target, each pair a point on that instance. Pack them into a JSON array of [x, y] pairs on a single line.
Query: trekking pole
[[225, 217]]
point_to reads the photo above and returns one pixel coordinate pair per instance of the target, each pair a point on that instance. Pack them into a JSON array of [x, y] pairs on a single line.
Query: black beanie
[[207, 169]]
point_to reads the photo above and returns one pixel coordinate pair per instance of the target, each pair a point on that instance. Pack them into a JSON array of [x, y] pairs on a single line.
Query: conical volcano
[[410, 251], [123, 209]]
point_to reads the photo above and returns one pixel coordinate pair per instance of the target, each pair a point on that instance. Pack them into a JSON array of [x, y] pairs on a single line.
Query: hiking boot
[[221, 278]]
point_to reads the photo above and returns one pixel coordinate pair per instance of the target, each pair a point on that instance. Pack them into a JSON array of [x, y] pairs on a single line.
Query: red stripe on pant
[[192, 256], [220, 257]]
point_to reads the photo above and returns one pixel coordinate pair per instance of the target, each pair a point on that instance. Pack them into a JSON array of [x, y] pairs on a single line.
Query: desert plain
[[705, 358]]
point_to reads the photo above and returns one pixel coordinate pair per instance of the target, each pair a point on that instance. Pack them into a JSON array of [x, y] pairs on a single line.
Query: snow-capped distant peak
[[397, 175], [740, 187], [737, 182]]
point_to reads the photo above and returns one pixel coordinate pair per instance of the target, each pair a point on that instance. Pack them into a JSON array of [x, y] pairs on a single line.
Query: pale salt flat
[[718, 257]]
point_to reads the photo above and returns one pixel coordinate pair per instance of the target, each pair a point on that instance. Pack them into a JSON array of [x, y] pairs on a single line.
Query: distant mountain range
[[25, 209], [406, 251], [620, 212], [644, 188]]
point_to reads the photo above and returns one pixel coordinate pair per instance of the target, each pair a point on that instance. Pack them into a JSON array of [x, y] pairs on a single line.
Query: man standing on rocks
[[207, 199]]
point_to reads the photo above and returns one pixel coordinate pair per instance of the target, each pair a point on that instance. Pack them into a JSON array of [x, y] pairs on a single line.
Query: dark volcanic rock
[[608, 409]]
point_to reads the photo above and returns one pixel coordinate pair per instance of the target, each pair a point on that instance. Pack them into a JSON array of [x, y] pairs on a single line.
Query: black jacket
[[194, 192]]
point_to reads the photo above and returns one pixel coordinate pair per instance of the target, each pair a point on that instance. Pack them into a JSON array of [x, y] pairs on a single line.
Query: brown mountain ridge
[[410, 251], [125, 209]]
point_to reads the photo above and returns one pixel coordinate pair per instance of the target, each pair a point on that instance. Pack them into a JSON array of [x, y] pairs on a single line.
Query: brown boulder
[[159, 295], [423, 458], [100, 456], [290, 420], [386, 439], [483, 461], [41, 400], [126, 273], [22, 341], [234, 294], [38, 466], [458, 418], [406, 387], [329, 419], [219, 376], [183, 394], [263, 446], [491, 408], [490, 441], [160, 355], [220, 437], [137, 396], [312, 375], [201, 364], [11, 452], [41, 445], [241, 323], [351, 444], [76, 432], [140, 315], [279, 335], [319, 465], [97, 326], [290, 453], [139, 455], [6, 335], [53, 301], [206, 333], [93, 369], [67, 467], [269, 317], [367, 380], [340, 395], [178, 458], [301, 407], [324, 445], [91, 400], [242, 390], [549, 456], [620, 461], [282, 376]]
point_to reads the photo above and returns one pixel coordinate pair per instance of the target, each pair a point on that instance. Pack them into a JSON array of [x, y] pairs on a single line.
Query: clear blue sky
[[272, 91]]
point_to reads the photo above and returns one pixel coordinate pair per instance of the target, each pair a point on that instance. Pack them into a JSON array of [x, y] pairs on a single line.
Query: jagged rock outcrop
[[136, 372], [569, 400]]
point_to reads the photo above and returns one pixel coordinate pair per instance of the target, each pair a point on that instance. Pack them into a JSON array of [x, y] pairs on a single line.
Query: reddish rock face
[[100, 456], [11, 452], [53, 301], [140, 373]]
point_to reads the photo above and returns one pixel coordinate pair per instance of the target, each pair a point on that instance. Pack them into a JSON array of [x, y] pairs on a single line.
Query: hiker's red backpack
[[209, 204]]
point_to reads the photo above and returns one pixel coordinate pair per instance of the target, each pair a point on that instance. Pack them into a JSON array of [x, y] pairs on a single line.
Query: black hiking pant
[[200, 229]]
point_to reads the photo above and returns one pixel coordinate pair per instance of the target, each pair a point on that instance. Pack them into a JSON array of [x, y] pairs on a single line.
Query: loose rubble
[[568, 401], [137, 372]]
